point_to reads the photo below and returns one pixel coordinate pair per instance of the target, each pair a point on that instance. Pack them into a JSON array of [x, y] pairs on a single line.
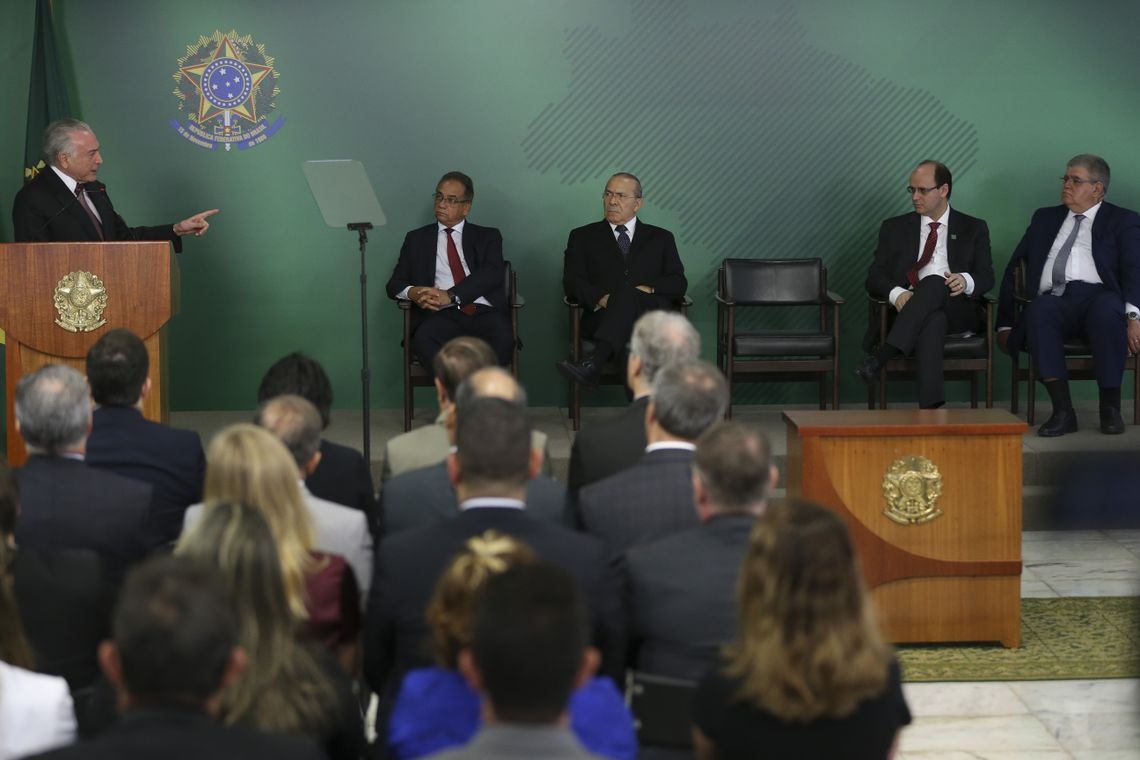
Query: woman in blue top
[[436, 709]]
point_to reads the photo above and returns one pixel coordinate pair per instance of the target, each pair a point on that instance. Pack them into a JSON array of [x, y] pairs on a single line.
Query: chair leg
[[575, 405], [1015, 387], [973, 390], [407, 400], [883, 389], [823, 391]]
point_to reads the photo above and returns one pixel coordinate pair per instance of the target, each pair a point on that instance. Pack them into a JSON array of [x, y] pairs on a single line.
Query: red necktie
[[927, 254], [81, 197], [456, 266]]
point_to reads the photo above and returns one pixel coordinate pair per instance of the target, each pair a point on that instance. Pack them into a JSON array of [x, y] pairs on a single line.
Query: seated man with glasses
[[618, 269], [933, 265], [1081, 266], [452, 271]]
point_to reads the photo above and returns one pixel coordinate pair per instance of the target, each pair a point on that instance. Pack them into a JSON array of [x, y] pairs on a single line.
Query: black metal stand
[[366, 406]]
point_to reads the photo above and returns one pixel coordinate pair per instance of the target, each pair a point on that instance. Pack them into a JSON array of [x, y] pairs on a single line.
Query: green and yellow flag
[[47, 94]]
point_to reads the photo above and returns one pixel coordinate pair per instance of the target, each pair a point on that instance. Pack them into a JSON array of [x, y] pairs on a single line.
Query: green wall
[[758, 129]]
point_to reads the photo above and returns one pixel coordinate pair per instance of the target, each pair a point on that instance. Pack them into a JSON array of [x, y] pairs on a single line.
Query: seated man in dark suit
[[618, 269], [342, 476], [1081, 266], [426, 495], [490, 469], [174, 650], [125, 442], [654, 498], [936, 263], [529, 650], [452, 272], [618, 443], [66, 203], [680, 591], [65, 503]]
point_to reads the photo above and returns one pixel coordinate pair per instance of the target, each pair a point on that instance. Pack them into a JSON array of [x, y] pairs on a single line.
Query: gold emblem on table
[[80, 299], [912, 486]]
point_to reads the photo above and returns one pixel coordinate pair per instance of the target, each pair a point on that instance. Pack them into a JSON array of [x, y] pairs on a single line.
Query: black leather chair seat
[[960, 347], [783, 343]]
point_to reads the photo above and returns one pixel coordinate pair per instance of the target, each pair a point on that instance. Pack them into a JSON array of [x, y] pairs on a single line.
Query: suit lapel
[[607, 241], [68, 199], [954, 225]]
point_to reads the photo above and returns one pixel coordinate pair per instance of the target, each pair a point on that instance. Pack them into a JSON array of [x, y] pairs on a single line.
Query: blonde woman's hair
[[248, 465], [283, 689], [807, 644], [452, 604]]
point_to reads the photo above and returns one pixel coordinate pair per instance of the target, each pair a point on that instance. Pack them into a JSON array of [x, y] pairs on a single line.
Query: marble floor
[[1040, 720]]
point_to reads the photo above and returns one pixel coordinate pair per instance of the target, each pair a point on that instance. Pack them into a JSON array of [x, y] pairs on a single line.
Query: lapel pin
[[953, 236]]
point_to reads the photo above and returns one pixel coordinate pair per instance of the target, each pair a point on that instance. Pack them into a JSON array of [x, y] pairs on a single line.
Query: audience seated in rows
[[680, 590], [36, 712], [174, 654], [654, 498], [437, 709], [289, 686], [490, 469], [618, 443], [248, 465], [339, 529], [457, 360], [126, 443], [529, 650], [424, 496], [808, 674], [342, 476], [64, 502]]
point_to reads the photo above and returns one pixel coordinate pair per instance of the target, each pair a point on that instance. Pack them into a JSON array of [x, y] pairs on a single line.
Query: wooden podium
[[933, 501], [139, 282]]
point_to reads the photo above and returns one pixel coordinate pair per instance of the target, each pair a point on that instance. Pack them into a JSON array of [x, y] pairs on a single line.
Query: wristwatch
[[1133, 316]]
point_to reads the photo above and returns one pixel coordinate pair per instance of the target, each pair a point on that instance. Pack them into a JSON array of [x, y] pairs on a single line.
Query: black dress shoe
[[585, 372], [1063, 421], [1111, 423], [868, 371]]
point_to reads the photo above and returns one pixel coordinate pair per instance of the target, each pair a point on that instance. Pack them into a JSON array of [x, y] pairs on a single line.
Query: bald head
[[491, 382]]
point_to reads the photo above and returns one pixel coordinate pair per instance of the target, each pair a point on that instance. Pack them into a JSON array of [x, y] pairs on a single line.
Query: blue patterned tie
[[1063, 258], [622, 240]]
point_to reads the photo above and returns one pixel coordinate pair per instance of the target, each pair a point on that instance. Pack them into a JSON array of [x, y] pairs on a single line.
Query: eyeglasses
[[620, 197], [448, 200], [1078, 181], [924, 190]]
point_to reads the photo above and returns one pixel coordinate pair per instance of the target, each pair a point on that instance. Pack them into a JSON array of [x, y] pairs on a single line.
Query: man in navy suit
[[936, 263], [125, 442], [1081, 266], [452, 271], [66, 203], [618, 269]]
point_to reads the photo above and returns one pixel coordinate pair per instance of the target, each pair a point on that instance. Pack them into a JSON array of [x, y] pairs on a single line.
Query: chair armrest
[[877, 300], [723, 300], [403, 304], [519, 302], [834, 297], [683, 301]]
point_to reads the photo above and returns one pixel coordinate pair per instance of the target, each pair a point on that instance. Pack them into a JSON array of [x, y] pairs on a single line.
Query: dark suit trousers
[[441, 326], [921, 329], [1085, 310], [614, 324]]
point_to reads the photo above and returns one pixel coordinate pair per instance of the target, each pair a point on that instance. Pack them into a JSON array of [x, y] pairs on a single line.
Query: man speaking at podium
[[67, 204]]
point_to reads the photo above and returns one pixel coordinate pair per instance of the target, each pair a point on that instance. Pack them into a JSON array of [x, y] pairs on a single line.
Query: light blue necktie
[[1062, 259]]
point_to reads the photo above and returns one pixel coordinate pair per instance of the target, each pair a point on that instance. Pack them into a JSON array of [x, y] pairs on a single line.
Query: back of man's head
[[53, 409], [300, 375], [660, 338], [492, 438], [528, 638], [458, 359], [296, 422], [175, 629], [117, 365], [734, 465], [688, 398]]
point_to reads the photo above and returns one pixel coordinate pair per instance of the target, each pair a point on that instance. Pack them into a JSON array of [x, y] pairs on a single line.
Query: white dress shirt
[[443, 277], [939, 263]]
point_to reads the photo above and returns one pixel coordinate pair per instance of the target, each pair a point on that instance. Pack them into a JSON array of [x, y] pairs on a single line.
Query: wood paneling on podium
[[141, 283], [954, 577]]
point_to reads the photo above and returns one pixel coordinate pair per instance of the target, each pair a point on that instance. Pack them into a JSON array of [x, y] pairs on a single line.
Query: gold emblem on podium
[[912, 486], [80, 299]]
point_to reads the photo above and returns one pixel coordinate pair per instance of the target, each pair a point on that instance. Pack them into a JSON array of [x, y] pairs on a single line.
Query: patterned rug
[[1070, 638]]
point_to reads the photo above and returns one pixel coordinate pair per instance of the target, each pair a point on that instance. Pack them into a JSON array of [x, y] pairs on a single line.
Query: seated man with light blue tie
[[1081, 262], [452, 271]]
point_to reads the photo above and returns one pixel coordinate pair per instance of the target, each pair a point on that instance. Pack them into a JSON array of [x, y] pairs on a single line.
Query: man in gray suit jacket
[[680, 592], [529, 650], [424, 496], [654, 498]]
